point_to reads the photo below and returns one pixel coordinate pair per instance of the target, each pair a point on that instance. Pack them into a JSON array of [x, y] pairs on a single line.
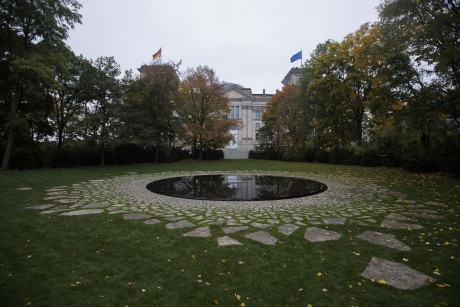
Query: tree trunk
[[157, 153], [200, 155], [8, 150], [14, 109], [102, 156]]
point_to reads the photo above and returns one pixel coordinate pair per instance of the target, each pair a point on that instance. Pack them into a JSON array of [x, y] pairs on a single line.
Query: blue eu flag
[[297, 56]]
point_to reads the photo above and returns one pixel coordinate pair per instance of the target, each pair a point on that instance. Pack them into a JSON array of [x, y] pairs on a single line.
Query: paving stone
[[41, 207], [423, 215], [358, 222], [152, 222], [135, 216], [426, 210], [180, 224], [234, 229], [227, 241], [315, 234], [67, 200], [287, 229], [393, 224], [23, 189], [335, 220], [97, 206], [203, 232], [396, 216], [82, 212], [433, 203], [260, 225], [262, 237], [383, 239], [273, 221], [396, 274]]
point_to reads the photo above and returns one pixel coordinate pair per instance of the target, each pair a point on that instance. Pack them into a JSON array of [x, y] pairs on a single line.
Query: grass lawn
[[103, 260]]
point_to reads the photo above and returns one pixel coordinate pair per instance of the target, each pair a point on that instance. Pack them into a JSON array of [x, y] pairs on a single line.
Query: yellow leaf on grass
[[382, 282], [207, 283], [243, 305], [318, 274], [241, 262], [215, 302], [238, 297], [309, 305]]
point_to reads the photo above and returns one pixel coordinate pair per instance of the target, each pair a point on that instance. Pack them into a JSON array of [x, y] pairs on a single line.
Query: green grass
[[103, 260]]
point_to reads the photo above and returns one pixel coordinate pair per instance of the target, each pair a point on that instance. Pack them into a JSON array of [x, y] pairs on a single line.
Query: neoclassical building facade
[[247, 108]]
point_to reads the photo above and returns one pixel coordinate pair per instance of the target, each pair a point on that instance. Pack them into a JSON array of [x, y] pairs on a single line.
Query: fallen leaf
[[207, 283], [382, 282], [301, 289], [238, 297], [243, 305], [309, 305], [318, 274], [240, 262], [215, 302], [143, 290]]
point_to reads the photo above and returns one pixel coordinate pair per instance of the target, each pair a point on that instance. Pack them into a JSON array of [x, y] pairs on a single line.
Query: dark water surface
[[236, 187]]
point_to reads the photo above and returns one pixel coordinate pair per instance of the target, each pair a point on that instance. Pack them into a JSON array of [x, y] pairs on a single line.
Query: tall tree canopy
[[204, 110], [26, 26]]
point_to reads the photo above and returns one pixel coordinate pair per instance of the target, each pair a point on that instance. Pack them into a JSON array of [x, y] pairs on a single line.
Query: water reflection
[[236, 187]]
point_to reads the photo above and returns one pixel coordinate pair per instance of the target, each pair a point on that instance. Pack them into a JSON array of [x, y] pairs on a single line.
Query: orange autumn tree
[[279, 124], [204, 111]]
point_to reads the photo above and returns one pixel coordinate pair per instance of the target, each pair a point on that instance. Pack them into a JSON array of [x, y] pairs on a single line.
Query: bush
[[322, 156], [25, 159], [64, 157], [370, 157]]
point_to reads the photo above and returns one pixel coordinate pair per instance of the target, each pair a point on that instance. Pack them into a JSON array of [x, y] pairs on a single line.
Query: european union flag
[[297, 56]]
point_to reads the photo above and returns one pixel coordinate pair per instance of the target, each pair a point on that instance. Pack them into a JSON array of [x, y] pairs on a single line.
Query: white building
[[247, 108]]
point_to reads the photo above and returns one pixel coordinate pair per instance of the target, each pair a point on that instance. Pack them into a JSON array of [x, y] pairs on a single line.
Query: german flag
[[157, 55]]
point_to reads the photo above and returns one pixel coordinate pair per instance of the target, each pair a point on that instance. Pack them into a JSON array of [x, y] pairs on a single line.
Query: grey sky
[[248, 42]]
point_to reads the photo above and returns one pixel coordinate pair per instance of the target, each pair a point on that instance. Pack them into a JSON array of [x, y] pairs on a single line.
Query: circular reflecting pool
[[236, 187]]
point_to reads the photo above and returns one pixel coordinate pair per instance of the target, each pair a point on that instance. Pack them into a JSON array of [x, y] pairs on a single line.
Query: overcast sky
[[248, 42]]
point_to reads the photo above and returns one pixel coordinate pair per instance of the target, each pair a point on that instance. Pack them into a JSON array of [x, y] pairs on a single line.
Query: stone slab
[[179, 225], [262, 237], [203, 232], [82, 212], [287, 229], [423, 215], [135, 216], [261, 225], [23, 189], [41, 207], [97, 206], [227, 241], [396, 216], [335, 220], [394, 224], [234, 229], [315, 234], [396, 274], [383, 239], [152, 222]]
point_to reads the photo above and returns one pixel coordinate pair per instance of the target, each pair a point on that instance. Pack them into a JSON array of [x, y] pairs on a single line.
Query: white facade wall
[[250, 109]]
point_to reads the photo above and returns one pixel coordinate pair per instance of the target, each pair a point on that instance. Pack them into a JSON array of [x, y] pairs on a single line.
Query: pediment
[[234, 93]]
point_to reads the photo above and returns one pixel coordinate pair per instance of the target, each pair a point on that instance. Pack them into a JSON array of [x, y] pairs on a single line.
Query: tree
[[149, 112], [105, 94], [67, 91], [204, 110], [24, 23], [279, 118]]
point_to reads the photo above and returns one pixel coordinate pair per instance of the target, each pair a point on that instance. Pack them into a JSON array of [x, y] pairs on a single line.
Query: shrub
[[25, 159]]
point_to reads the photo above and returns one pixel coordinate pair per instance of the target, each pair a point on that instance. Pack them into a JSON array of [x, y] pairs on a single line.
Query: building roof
[[294, 71]]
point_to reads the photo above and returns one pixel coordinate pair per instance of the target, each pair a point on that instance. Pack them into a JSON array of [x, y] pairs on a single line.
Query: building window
[[258, 114], [257, 126], [257, 136], [235, 112]]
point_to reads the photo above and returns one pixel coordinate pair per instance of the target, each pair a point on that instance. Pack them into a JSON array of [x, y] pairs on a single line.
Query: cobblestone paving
[[347, 201]]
